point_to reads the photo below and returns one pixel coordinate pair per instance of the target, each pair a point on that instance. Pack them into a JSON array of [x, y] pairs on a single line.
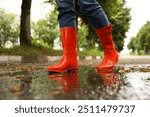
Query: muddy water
[[32, 81]]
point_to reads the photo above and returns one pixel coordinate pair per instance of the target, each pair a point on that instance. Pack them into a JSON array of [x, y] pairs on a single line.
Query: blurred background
[[35, 27]]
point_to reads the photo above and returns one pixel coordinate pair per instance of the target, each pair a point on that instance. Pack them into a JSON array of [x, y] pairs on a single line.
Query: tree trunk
[[25, 31], [146, 50]]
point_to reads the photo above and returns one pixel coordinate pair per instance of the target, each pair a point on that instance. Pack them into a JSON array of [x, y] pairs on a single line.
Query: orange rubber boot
[[69, 44], [110, 54]]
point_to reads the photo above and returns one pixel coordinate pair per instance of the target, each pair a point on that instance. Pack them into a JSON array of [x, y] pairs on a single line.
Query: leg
[[99, 21], [66, 16], [67, 22], [94, 12]]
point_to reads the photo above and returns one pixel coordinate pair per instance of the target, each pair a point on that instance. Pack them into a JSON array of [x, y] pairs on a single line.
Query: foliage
[[142, 41], [53, 2], [132, 44], [45, 30], [9, 29], [91, 52], [82, 34]]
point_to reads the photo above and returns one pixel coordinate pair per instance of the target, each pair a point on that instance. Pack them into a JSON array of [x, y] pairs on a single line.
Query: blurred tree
[[132, 44], [46, 30], [142, 40], [25, 30], [82, 33], [143, 37], [9, 29]]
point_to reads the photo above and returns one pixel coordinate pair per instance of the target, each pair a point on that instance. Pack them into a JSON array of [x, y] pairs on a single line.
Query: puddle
[[32, 81]]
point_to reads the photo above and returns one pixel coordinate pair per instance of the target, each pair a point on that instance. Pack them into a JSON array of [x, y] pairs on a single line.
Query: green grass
[[141, 53], [34, 51], [92, 52]]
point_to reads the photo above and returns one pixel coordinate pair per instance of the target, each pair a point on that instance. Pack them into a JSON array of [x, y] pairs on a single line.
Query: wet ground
[[32, 81]]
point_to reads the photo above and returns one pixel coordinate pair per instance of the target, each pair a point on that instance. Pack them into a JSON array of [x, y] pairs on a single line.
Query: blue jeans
[[90, 8]]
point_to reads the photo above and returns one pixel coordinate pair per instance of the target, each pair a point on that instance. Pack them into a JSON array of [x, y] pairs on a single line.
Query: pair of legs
[[90, 8], [67, 21]]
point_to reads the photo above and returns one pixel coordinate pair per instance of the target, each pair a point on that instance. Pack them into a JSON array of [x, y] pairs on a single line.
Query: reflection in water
[[111, 84], [98, 85], [25, 86], [68, 80], [94, 85], [109, 78]]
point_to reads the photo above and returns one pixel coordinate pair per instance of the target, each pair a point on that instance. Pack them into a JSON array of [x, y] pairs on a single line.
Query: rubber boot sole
[[69, 69]]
